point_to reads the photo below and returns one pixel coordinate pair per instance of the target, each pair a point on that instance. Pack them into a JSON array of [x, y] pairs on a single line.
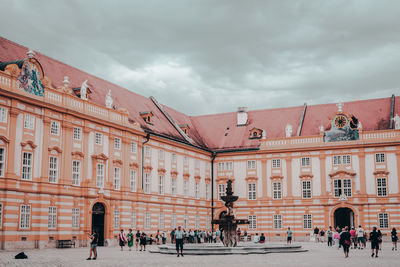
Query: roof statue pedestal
[[227, 223]]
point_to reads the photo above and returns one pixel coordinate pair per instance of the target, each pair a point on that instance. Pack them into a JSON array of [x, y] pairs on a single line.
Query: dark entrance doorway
[[98, 213], [344, 217]]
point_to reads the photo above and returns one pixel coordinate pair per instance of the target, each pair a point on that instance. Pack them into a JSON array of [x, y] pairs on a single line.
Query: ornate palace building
[[79, 153]]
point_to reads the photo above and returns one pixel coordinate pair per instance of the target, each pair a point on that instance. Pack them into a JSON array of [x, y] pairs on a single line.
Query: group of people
[[197, 236]]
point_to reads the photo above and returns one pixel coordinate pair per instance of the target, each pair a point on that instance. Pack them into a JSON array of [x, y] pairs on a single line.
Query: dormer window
[[185, 128], [255, 133], [146, 116]]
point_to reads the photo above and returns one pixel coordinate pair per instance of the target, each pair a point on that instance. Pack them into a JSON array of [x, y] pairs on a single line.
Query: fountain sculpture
[[227, 223]]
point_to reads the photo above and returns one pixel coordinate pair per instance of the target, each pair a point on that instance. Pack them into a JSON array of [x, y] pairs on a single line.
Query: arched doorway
[[344, 217], [98, 214]]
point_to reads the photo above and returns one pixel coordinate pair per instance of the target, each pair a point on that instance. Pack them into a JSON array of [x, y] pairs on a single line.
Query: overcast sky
[[203, 57]]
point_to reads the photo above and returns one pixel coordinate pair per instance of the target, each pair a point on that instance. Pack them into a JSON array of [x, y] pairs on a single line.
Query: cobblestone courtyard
[[318, 255]]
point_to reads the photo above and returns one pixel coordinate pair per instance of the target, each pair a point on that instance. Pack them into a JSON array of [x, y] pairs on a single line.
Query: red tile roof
[[217, 131]]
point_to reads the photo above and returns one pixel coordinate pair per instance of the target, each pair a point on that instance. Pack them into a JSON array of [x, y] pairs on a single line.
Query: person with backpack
[[94, 238], [374, 238], [345, 241]]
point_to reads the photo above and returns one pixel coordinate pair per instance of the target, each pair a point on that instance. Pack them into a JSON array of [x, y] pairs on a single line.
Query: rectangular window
[[160, 154], [98, 138], [147, 151], [55, 128], [186, 188], [100, 175], [337, 160], [277, 193], [161, 221], [133, 180], [380, 157], [3, 115], [252, 191], [342, 187], [337, 187], [305, 162], [133, 219], [173, 186], [53, 169], [207, 191], [276, 163], [27, 159], [29, 122], [52, 218], [161, 184], [347, 187], [1, 213], [277, 221], [117, 143], [147, 183], [229, 166], [221, 191], [116, 219], [76, 172], [251, 164], [185, 222], [307, 221], [197, 221], [25, 217], [173, 158], [197, 190], [381, 187], [2, 157], [346, 159], [306, 189], [147, 220], [221, 166], [77, 133], [383, 220], [75, 217], [133, 147], [117, 178], [252, 222], [173, 220]]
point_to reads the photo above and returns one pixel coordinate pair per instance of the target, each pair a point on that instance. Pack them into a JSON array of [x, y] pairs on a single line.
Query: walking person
[[238, 232], [336, 237], [393, 234], [143, 242], [353, 238], [374, 238], [322, 235], [329, 233], [245, 235], [137, 239], [129, 237], [122, 239], [94, 237], [289, 236], [345, 240], [316, 232], [179, 241], [164, 238], [379, 239], [360, 237]]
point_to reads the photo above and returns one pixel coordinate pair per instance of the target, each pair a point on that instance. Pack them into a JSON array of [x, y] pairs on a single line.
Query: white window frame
[[252, 191], [52, 222], [221, 191], [277, 190], [337, 160], [24, 216], [147, 181], [117, 178], [98, 138], [173, 186], [77, 133], [186, 188], [133, 180], [133, 147], [276, 163], [305, 161], [383, 219], [173, 158], [117, 143], [251, 164], [306, 192], [307, 221], [29, 122], [252, 221], [346, 159], [161, 180], [229, 165], [221, 166], [380, 158], [2, 160], [343, 188], [76, 172], [3, 114], [53, 169], [55, 127], [27, 166], [75, 217], [116, 219], [277, 221], [147, 151], [100, 171], [381, 186]]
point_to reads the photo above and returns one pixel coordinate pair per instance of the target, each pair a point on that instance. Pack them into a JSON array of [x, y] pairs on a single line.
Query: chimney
[[242, 116]]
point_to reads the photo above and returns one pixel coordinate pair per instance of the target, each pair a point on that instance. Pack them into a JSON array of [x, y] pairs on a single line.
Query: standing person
[[374, 238], [129, 236], [94, 237], [316, 232], [353, 238], [245, 235], [214, 237], [158, 237], [289, 236], [322, 235], [172, 234], [336, 237], [137, 239], [164, 238], [329, 233], [393, 234], [143, 242], [179, 241], [345, 240], [122, 239], [238, 232], [379, 239], [360, 237]]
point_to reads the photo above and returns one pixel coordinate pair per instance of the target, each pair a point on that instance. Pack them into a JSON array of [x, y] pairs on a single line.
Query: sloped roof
[[216, 131]]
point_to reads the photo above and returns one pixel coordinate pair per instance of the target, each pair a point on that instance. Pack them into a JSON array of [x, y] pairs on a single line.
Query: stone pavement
[[318, 255]]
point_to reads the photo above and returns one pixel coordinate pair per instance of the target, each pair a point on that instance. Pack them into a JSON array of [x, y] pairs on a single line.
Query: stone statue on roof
[[84, 87], [109, 100], [289, 130], [396, 120]]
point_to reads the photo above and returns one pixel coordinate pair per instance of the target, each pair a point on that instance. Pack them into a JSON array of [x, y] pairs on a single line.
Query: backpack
[[21, 255]]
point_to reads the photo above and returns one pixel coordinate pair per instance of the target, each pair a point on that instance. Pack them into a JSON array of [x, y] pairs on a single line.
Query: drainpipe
[[212, 190], [143, 143]]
